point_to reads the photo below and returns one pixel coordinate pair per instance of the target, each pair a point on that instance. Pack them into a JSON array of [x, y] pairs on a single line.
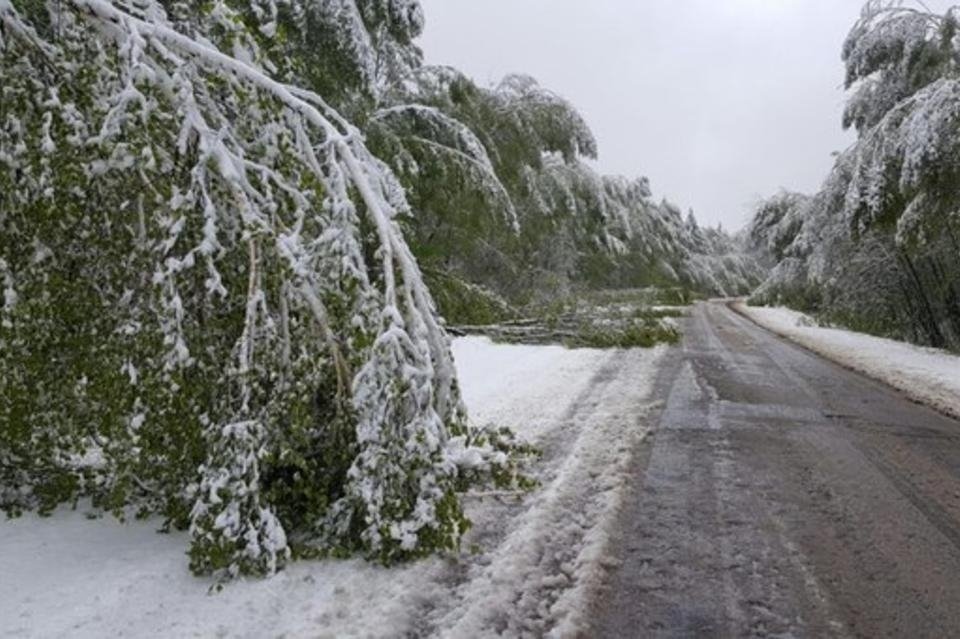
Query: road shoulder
[[926, 375]]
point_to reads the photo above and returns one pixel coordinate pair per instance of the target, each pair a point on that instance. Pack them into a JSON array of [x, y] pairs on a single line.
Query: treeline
[[501, 198], [503, 210], [877, 249]]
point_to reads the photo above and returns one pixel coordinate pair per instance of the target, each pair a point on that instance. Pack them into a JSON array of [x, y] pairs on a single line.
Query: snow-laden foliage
[[878, 248], [349, 47], [233, 531], [890, 53], [209, 311], [421, 140], [501, 197], [551, 123], [776, 223], [652, 244], [907, 161], [908, 166]]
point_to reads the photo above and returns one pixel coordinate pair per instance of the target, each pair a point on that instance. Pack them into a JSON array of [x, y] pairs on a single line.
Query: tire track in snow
[[539, 580]]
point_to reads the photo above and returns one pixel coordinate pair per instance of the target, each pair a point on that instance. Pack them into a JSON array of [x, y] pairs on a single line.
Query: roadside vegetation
[[877, 249], [234, 233]]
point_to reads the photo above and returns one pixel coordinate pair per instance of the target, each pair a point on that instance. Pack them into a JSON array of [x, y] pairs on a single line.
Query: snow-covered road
[[530, 565], [553, 554]]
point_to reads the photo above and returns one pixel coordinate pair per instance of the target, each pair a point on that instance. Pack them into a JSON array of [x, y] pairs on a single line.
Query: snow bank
[[927, 375], [529, 566]]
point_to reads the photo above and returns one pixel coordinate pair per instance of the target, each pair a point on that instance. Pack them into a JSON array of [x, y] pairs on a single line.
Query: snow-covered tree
[[209, 310], [887, 221], [501, 196], [890, 53], [234, 531], [903, 63], [349, 51], [776, 223]]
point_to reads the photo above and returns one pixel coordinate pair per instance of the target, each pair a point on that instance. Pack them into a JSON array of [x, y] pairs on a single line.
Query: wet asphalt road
[[782, 495]]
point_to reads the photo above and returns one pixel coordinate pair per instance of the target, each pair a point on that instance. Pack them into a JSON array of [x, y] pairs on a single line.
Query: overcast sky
[[718, 102]]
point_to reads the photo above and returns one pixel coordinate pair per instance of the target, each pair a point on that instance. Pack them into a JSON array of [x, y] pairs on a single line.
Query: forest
[[235, 235]]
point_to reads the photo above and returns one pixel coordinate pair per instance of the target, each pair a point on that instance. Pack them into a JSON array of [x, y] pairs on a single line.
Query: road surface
[[783, 495]]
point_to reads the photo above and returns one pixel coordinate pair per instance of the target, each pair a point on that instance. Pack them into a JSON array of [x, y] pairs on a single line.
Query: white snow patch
[[69, 577], [526, 388], [927, 375], [540, 556], [682, 310]]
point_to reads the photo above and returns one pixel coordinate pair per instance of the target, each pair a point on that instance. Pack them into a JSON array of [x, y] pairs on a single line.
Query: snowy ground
[[927, 375], [530, 564]]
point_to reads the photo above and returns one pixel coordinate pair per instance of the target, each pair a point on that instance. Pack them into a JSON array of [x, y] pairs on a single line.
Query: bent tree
[[209, 312]]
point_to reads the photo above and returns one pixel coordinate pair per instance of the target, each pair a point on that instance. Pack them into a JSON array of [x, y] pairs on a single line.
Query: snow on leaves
[[907, 111], [474, 157], [233, 532], [241, 255], [877, 247]]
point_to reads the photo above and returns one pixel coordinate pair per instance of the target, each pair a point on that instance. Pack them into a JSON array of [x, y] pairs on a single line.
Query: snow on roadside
[[927, 375], [682, 310], [526, 388], [530, 562], [541, 578], [69, 577]]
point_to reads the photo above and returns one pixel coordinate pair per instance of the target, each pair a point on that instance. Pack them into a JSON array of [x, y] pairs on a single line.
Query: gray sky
[[718, 102]]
